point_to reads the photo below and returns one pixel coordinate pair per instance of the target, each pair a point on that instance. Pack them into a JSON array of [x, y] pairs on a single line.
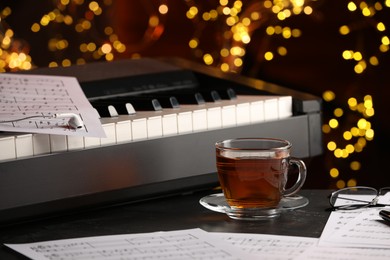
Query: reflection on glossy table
[[163, 214]]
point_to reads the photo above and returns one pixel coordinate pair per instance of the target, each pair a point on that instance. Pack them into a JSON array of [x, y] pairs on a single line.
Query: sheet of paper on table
[[24, 96], [193, 244], [357, 228], [183, 244]]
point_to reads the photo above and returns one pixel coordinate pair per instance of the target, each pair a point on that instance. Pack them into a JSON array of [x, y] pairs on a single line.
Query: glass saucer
[[218, 203]]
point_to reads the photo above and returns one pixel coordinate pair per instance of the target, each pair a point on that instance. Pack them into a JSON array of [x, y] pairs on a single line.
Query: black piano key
[[215, 96], [228, 94], [199, 99], [174, 102]]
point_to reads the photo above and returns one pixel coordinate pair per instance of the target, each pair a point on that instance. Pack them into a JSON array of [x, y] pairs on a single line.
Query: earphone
[[74, 119], [74, 122]]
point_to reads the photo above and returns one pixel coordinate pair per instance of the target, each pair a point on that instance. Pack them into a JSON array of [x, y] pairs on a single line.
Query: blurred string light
[[94, 42], [238, 20], [13, 52], [368, 16], [74, 22], [351, 139], [79, 16]]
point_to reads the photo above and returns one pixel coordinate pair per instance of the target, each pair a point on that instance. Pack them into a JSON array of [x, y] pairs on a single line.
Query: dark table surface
[[163, 214]]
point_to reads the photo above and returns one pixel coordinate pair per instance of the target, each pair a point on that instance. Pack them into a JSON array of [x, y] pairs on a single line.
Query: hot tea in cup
[[253, 174]]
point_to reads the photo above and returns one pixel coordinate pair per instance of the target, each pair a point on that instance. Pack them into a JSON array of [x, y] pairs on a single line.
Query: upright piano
[[155, 163]]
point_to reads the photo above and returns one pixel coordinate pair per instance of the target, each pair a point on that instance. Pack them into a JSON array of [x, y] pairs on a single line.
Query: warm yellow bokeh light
[[106, 48], [355, 165], [331, 146], [328, 95], [163, 9], [326, 129], [333, 123], [208, 59], [338, 112], [334, 173], [352, 183], [340, 184]]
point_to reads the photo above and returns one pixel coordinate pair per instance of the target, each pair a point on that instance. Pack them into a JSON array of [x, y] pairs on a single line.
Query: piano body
[[143, 168]]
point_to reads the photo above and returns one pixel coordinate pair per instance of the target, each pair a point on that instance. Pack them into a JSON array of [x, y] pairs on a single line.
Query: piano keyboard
[[119, 128]]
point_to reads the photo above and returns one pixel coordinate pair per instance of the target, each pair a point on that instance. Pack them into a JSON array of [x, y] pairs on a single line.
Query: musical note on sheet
[[28, 103]]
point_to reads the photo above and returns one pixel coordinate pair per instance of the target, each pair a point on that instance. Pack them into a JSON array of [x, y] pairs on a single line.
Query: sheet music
[[182, 244], [193, 244], [357, 228], [275, 247], [361, 229], [353, 234], [36, 95], [269, 247], [338, 253]]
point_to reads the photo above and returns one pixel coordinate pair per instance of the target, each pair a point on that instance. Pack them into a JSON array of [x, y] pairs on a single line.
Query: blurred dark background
[[297, 44]]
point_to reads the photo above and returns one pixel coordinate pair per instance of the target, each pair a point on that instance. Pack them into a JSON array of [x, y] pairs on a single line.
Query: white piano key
[[8, 149], [169, 124], [214, 119], [257, 111], [154, 125], [228, 115], [139, 129], [285, 107], [75, 142], [41, 144], [90, 142], [58, 143], [109, 130], [271, 109], [184, 122], [123, 131], [199, 120], [243, 113], [24, 145]]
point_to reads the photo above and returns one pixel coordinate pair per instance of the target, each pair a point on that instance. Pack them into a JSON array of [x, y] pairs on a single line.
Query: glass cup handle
[[301, 177]]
